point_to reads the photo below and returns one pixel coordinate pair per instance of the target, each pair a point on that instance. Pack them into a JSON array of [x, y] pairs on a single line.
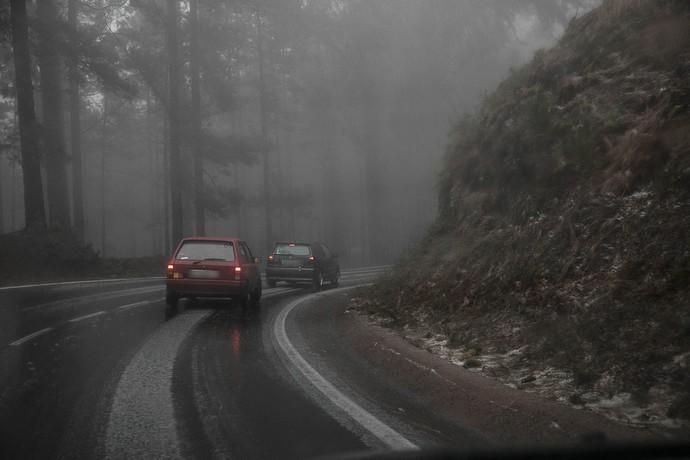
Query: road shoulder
[[452, 401]]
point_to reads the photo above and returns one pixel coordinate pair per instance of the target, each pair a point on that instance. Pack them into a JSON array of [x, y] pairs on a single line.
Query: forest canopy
[[133, 123]]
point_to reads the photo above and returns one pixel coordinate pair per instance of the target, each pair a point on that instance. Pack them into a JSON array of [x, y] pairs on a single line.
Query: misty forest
[[129, 124], [493, 198]]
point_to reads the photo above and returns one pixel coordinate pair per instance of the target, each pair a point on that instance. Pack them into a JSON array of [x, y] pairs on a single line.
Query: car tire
[[244, 299], [256, 294], [317, 284], [271, 283], [170, 304], [171, 299]]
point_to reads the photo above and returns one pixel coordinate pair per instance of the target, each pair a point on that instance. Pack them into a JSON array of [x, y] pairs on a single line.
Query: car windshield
[[303, 228], [206, 250], [288, 249]]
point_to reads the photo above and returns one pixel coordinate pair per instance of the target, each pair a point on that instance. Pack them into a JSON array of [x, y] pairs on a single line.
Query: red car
[[213, 267]]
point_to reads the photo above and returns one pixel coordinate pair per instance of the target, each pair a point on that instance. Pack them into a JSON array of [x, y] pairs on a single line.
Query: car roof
[[301, 243], [211, 238]]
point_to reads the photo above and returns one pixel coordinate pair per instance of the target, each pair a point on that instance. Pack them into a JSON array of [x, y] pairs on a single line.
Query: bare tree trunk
[[152, 147], [264, 136], [53, 129], [174, 121], [286, 173], [34, 210], [13, 192], [196, 118], [278, 179], [363, 221], [2, 202], [291, 187], [372, 175], [241, 208], [166, 188], [104, 146], [75, 133]]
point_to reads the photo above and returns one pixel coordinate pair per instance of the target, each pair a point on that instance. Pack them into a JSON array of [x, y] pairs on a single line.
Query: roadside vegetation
[[560, 260], [32, 256]]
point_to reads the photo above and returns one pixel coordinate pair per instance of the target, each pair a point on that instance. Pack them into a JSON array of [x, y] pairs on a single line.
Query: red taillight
[[238, 273], [270, 258], [312, 258], [171, 268]]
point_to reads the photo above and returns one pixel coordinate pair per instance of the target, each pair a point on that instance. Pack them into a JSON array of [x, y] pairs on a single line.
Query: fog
[[272, 120]]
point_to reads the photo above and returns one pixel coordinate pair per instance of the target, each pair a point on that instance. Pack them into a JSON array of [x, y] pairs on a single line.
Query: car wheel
[[170, 304], [318, 282], [171, 299], [256, 294], [335, 282], [271, 283], [243, 299]]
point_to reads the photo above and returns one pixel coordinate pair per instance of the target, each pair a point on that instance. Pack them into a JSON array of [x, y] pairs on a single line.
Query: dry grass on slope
[[563, 240]]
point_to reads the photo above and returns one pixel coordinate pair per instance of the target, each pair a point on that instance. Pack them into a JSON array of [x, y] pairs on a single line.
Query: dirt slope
[[560, 261]]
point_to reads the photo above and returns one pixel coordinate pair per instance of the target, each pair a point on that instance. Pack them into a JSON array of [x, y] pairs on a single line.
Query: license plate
[[203, 274], [291, 263]]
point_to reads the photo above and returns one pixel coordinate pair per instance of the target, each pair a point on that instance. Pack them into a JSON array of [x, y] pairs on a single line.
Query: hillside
[[560, 260]]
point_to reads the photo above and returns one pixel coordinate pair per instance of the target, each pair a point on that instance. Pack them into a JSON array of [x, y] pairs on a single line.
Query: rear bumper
[[290, 274], [206, 288]]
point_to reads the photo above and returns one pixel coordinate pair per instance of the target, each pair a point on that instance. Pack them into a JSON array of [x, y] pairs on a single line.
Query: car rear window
[[292, 249], [201, 250]]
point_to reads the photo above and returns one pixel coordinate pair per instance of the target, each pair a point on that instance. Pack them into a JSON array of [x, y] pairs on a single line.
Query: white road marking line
[[82, 318], [282, 291], [84, 282], [140, 304], [275, 290], [358, 277], [100, 296], [26, 338], [145, 279], [379, 268], [376, 427]]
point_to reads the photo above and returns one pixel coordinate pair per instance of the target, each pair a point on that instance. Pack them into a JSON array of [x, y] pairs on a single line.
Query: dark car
[[213, 267], [302, 263]]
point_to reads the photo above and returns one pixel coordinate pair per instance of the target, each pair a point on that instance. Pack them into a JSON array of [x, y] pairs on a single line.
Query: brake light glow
[[312, 258], [238, 273], [171, 267], [270, 257]]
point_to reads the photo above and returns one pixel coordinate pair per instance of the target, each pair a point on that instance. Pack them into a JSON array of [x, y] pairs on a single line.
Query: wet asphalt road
[[95, 370]]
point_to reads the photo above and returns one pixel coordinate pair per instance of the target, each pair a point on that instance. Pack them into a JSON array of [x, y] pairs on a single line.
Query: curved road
[[95, 370]]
